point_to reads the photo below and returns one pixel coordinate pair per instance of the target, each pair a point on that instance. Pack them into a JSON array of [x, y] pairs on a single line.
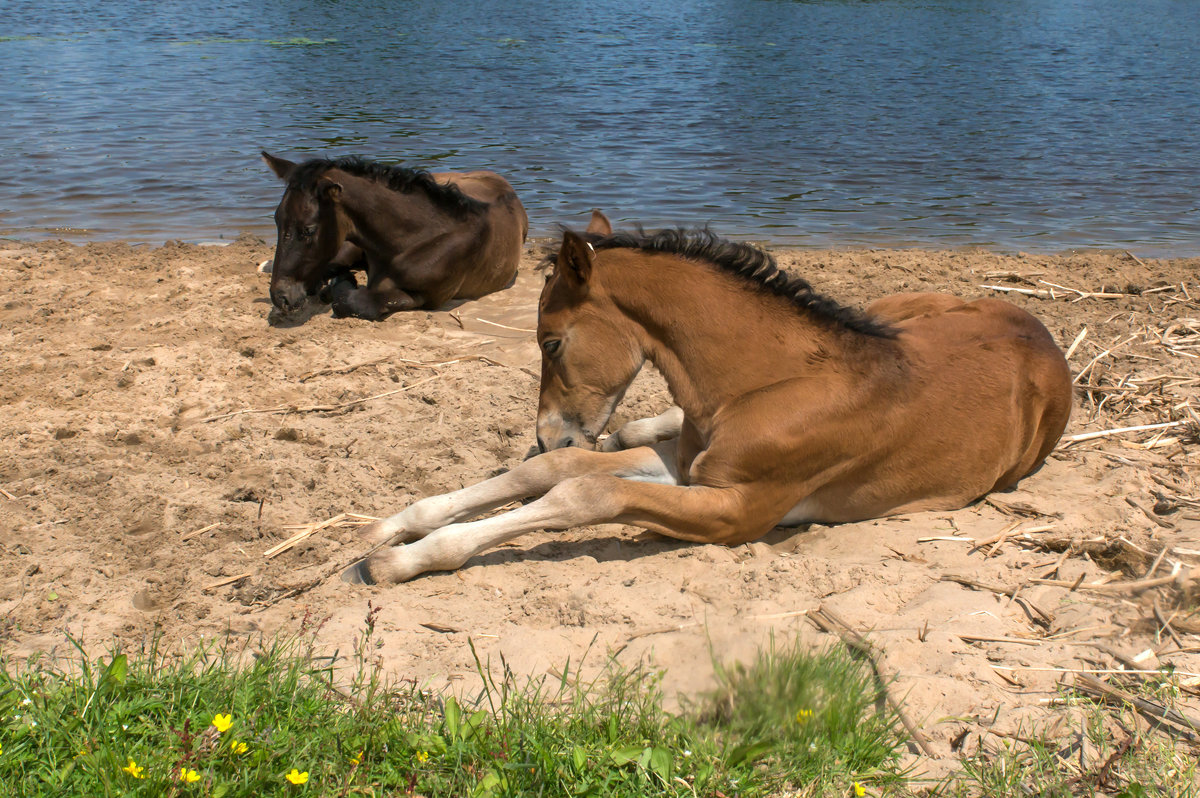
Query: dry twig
[[308, 530], [827, 621], [1075, 344], [229, 580], [1107, 433], [1011, 592], [341, 369], [198, 532], [1123, 587], [1171, 720], [319, 408]]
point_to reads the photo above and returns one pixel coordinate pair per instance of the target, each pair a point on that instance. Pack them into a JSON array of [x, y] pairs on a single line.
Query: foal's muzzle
[[555, 433], [544, 446], [289, 296]]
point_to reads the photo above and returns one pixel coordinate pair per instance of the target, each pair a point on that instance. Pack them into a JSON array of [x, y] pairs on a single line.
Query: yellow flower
[[222, 722], [422, 756], [1, 748], [859, 790], [296, 777], [803, 715], [189, 776], [133, 770], [238, 746], [357, 760]]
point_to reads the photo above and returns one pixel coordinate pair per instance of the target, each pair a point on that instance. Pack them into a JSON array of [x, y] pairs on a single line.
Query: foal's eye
[[550, 345], [310, 231]]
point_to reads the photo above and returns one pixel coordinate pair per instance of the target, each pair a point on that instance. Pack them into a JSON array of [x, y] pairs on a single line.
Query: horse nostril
[[568, 442], [542, 447]]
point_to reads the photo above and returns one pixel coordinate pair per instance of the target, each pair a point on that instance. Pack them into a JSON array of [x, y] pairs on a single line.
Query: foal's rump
[[990, 393], [900, 307], [480, 184], [507, 227]]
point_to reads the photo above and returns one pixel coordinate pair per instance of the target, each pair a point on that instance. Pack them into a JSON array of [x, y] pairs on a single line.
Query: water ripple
[[1029, 125]]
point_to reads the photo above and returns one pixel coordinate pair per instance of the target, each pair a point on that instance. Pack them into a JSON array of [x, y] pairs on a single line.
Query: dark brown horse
[[422, 238], [791, 407]]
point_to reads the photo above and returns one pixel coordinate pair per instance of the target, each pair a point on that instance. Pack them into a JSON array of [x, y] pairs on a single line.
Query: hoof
[[337, 289], [357, 574]]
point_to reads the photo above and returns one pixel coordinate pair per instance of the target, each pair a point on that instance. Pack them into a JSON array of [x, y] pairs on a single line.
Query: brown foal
[[790, 407], [422, 238]]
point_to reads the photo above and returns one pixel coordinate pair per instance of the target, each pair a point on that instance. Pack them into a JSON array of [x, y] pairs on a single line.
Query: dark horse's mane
[[751, 264], [398, 178]]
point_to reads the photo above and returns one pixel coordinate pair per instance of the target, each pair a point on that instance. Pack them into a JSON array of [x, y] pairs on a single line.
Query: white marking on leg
[[531, 478], [570, 503], [645, 431]]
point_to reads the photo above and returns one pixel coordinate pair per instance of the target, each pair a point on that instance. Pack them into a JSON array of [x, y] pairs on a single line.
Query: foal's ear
[[575, 258], [280, 166], [329, 189], [600, 225]]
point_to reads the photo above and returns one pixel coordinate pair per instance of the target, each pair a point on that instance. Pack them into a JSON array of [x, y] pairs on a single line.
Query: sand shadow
[[294, 318], [617, 548]]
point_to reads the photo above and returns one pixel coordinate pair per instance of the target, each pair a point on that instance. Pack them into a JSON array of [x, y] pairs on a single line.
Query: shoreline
[[1138, 250]]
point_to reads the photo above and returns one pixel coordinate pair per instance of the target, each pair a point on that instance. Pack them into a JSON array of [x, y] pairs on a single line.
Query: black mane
[[398, 178], [750, 263]]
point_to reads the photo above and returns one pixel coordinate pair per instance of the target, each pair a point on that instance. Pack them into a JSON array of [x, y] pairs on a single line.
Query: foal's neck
[[714, 338], [380, 214]]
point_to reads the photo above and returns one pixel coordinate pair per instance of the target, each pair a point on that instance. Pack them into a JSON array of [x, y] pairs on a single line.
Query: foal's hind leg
[[645, 431], [531, 478]]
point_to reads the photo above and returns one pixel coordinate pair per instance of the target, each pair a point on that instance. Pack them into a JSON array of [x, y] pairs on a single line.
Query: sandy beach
[[160, 437]]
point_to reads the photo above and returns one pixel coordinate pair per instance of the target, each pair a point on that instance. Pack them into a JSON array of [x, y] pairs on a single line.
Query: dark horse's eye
[[309, 232], [550, 345]]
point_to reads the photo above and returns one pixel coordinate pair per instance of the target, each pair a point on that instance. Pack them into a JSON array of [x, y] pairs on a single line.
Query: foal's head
[[310, 229], [589, 354]]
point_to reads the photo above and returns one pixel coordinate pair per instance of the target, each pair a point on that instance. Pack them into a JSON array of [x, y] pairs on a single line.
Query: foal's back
[[985, 397]]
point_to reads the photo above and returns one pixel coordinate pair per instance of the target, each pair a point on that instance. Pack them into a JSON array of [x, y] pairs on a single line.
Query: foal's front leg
[[533, 477], [442, 544], [696, 513], [369, 303], [645, 431]]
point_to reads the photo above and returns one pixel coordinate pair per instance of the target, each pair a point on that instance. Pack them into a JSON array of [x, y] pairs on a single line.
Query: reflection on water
[[1033, 125]]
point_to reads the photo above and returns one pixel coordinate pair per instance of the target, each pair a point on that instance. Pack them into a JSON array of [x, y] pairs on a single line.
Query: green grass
[[790, 721]]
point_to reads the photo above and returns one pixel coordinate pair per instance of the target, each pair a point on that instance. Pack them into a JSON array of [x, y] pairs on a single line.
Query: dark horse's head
[[310, 226]]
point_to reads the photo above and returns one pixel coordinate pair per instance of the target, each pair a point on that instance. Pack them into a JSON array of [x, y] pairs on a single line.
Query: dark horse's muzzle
[[288, 296]]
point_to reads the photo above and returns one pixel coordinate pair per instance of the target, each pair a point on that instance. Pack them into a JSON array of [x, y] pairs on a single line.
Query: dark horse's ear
[[280, 166], [329, 189], [600, 225], [575, 258]]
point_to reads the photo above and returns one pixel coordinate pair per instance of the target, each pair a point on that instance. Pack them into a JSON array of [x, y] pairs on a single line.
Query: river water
[[1039, 125]]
